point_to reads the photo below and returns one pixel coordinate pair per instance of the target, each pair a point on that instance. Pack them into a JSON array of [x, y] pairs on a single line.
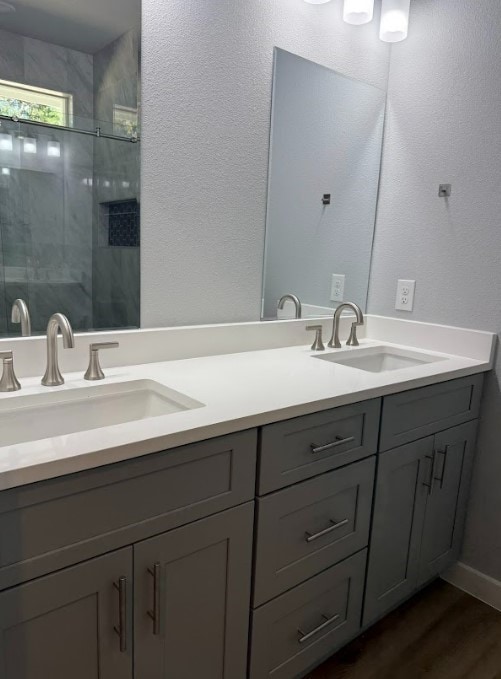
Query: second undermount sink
[[68, 411], [381, 359]]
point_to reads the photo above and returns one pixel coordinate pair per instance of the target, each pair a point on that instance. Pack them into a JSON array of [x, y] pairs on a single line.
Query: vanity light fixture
[[30, 145], [358, 12], [5, 142], [394, 20], [53, 149]]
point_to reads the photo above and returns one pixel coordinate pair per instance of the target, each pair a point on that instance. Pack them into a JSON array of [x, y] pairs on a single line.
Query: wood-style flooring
[[441, 633]]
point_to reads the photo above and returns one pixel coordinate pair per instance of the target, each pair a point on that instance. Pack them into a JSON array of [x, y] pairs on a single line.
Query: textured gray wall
[[444, 125], [327, 133], [207, 74]]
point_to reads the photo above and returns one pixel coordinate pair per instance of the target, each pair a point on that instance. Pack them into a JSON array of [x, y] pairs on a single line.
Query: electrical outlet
[[405, 295], [337, 289]]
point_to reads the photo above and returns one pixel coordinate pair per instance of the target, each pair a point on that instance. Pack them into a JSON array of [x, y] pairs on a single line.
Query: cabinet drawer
[[52, 524], [307, 528], [415, 414], [296, 631], [298, 449]]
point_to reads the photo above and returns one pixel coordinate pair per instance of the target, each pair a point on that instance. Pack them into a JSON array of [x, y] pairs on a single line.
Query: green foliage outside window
[[31, 111]]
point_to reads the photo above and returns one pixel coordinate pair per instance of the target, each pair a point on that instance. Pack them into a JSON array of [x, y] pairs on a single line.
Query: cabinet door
[[447, 500], [68, 624], [192, 599], [397, 526]]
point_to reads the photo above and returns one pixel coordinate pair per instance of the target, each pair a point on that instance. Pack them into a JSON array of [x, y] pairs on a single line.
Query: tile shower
[[69, 201]]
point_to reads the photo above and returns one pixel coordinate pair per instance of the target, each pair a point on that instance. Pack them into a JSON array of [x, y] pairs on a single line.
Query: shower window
[[34, 103]]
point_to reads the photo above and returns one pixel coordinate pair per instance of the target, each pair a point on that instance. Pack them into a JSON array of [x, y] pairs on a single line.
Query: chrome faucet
[[291, 298], [334, 342], [20, 314], [57, 322]]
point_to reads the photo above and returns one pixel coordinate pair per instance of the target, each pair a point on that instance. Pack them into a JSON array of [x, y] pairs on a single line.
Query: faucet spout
[[20, 314], [334, 342], [291, 298], [57, 323]]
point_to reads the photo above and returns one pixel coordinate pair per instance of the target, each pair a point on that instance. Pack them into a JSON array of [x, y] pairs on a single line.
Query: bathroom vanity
[[257, 553]]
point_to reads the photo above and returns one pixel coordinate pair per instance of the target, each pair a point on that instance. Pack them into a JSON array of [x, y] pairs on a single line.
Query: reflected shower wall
[[69, 201]]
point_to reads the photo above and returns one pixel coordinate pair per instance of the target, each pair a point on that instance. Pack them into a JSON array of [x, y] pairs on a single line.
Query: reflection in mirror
[[325, 156], [69, 162]]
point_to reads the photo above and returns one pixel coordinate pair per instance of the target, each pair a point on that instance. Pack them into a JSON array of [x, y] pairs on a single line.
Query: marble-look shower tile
[[45, 65], [11, 203], [46, 207], [11, 56], [80, 78], [78, 150], [3, 309], [70, 299], [78, 209]]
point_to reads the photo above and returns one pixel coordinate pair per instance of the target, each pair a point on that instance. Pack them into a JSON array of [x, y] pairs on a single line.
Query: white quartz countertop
[[238, 391]]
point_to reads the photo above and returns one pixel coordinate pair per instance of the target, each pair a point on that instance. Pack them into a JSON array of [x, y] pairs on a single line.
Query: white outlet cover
[[337, 287], [405, 295]]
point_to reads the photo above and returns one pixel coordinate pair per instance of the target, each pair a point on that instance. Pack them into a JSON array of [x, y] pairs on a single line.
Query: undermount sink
[[381, 359], [40, 416]]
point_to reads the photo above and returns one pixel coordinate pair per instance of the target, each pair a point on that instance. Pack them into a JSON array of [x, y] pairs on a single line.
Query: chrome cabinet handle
[[155, 613], [334, 526], [443, 452], [338, 442], [431, 478], [121, 630], [327, 621]]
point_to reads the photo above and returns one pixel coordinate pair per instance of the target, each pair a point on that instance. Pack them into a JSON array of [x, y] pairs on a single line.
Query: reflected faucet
[[334, 342], [57, 322], [294, 300], [20, 314]]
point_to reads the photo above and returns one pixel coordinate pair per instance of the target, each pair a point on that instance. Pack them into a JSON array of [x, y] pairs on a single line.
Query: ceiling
[[84, 25]]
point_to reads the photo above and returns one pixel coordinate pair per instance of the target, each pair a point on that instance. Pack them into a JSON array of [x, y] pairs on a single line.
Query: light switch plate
[[337, 289], [405, 295]]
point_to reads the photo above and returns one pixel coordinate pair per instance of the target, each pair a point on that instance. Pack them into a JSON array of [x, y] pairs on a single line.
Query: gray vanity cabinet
[[446, 502], [419, 513], [192, 598], [71, 624]]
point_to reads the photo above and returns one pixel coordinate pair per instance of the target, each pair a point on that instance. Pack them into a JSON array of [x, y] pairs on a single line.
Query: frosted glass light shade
[[30, 145], [53, 149], [317, 2], [6, 171], [394, 20], [5, 142], [358, 12]]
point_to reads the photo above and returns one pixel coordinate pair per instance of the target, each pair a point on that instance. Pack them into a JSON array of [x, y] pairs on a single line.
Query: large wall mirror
[[325, 156], [70, 161]]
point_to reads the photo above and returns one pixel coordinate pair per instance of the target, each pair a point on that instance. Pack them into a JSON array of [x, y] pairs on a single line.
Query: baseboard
[[474, 582]]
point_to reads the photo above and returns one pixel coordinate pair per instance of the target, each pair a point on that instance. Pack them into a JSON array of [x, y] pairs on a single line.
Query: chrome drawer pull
[[338, 442], [121, 630], [155, 613], [312, 537], [443, 452], [429, 485], [306, 637]]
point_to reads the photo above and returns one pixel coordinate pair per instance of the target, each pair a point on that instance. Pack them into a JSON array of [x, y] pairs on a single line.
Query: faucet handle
[[8, 381], [317, 345], [94, 371], [352, 340]]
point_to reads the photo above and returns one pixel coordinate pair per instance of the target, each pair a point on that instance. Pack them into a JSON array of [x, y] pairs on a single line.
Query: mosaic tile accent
[[123, 224]]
